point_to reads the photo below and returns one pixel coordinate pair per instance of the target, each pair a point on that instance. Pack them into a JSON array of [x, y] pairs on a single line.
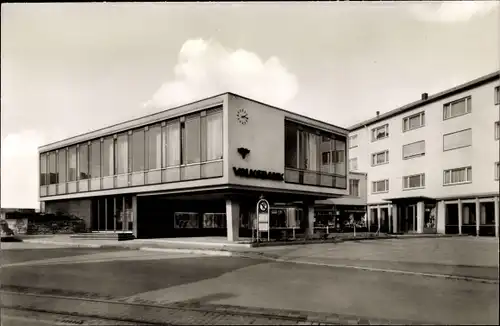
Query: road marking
[[394, 271]]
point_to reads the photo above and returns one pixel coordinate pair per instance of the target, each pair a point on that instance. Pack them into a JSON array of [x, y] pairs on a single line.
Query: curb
[[72, 244], [190, 251]]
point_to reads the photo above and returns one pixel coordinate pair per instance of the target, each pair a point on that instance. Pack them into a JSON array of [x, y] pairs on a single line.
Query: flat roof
[[432, 98], [40, 148]]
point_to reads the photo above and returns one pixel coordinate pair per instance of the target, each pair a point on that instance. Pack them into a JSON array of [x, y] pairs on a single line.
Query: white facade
[[437, 143]]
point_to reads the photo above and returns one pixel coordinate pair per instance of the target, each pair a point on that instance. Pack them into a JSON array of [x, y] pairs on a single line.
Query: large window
[[95, 159], [153, 136], [354, 187], [121, 154], [52, 168], [313, 156], [457, 176], [380, 186], [43, 170], [83, 161], [380, 158], [457, 108], [414, 149], [191, 144], [72, 164], [61, 165], [213, 138], [380, 132], [413, 122], [138, 154], [172, 143], [457, 139], [414, 181], [107, 157]]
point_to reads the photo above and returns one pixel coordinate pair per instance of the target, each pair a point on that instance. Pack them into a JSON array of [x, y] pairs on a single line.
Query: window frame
[[468, 107], [386, 184], [420, 114], [358, 190], [496, 95], [468, 171], [386, 152], [456, 132], [354, 159], [385, 126], [497, 130], [414, 155], [497, 171], [351, 138], [407, 177]]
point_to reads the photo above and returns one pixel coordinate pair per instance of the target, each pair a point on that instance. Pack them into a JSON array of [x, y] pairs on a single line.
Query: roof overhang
[[412, 199]]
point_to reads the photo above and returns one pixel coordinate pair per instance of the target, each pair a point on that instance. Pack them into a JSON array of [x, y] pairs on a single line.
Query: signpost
[[263, 218]]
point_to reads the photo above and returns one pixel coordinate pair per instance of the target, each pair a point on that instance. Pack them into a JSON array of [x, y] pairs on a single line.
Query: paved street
[[264, 287]]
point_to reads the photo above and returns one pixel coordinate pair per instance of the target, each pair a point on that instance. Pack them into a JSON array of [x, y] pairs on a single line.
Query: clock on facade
[[242, 116]]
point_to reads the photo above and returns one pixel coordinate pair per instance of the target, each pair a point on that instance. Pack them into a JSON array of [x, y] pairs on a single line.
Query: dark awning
[[412, 199]]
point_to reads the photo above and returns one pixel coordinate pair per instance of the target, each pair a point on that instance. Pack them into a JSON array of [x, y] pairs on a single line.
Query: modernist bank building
[[196, 170]]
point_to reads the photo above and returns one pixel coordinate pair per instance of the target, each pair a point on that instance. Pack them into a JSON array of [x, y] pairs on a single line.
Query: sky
[[69, 68]]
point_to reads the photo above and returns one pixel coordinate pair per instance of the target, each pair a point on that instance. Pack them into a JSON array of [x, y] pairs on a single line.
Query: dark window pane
[[95, 159], [52, 168], [191, 149], [83, 161], [72, 164], [107, 157], [154, 147], [61, 165], [43, 170], [122, 154], [138, 151], [291, 145]]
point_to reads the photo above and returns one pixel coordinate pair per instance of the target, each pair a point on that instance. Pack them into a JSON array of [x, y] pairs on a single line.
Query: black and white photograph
[[250, 163]]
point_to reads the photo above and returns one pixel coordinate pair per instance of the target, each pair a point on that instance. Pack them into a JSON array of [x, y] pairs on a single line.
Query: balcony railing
[[315, 178]]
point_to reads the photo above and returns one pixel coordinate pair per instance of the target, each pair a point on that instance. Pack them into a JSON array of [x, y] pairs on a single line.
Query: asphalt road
[[131, 275]]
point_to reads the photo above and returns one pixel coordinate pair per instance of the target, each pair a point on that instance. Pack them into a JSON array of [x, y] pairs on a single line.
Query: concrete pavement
[[237, 283]]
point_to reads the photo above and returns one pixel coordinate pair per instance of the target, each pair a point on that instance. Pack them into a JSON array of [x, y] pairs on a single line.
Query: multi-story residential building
[[198, 169], [433, 165]]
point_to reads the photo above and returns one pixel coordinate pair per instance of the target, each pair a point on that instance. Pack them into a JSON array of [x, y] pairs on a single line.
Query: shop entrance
[[407, 218], [112, 214]]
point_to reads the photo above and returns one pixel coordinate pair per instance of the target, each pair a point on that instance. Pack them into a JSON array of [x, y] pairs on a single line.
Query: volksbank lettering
[[258, 174]]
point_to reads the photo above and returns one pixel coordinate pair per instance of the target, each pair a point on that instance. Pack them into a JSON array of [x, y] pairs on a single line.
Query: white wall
[[264, 136], [482, 155]]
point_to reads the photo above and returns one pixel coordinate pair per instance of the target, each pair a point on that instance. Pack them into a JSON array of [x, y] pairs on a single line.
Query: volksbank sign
[[258, 174]]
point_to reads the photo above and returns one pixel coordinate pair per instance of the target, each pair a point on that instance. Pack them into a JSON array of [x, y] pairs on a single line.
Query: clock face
[[242, 116], [263, 206]]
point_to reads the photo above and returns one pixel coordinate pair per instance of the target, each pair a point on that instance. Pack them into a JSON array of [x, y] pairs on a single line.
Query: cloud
[[20, 168], [206, 68], [450, 12]]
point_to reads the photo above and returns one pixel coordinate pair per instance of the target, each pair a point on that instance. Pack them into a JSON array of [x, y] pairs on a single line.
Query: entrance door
[[409, 218]]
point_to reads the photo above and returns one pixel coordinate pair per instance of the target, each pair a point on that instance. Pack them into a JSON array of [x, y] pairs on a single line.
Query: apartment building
[[433, 165], [197, 169]]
